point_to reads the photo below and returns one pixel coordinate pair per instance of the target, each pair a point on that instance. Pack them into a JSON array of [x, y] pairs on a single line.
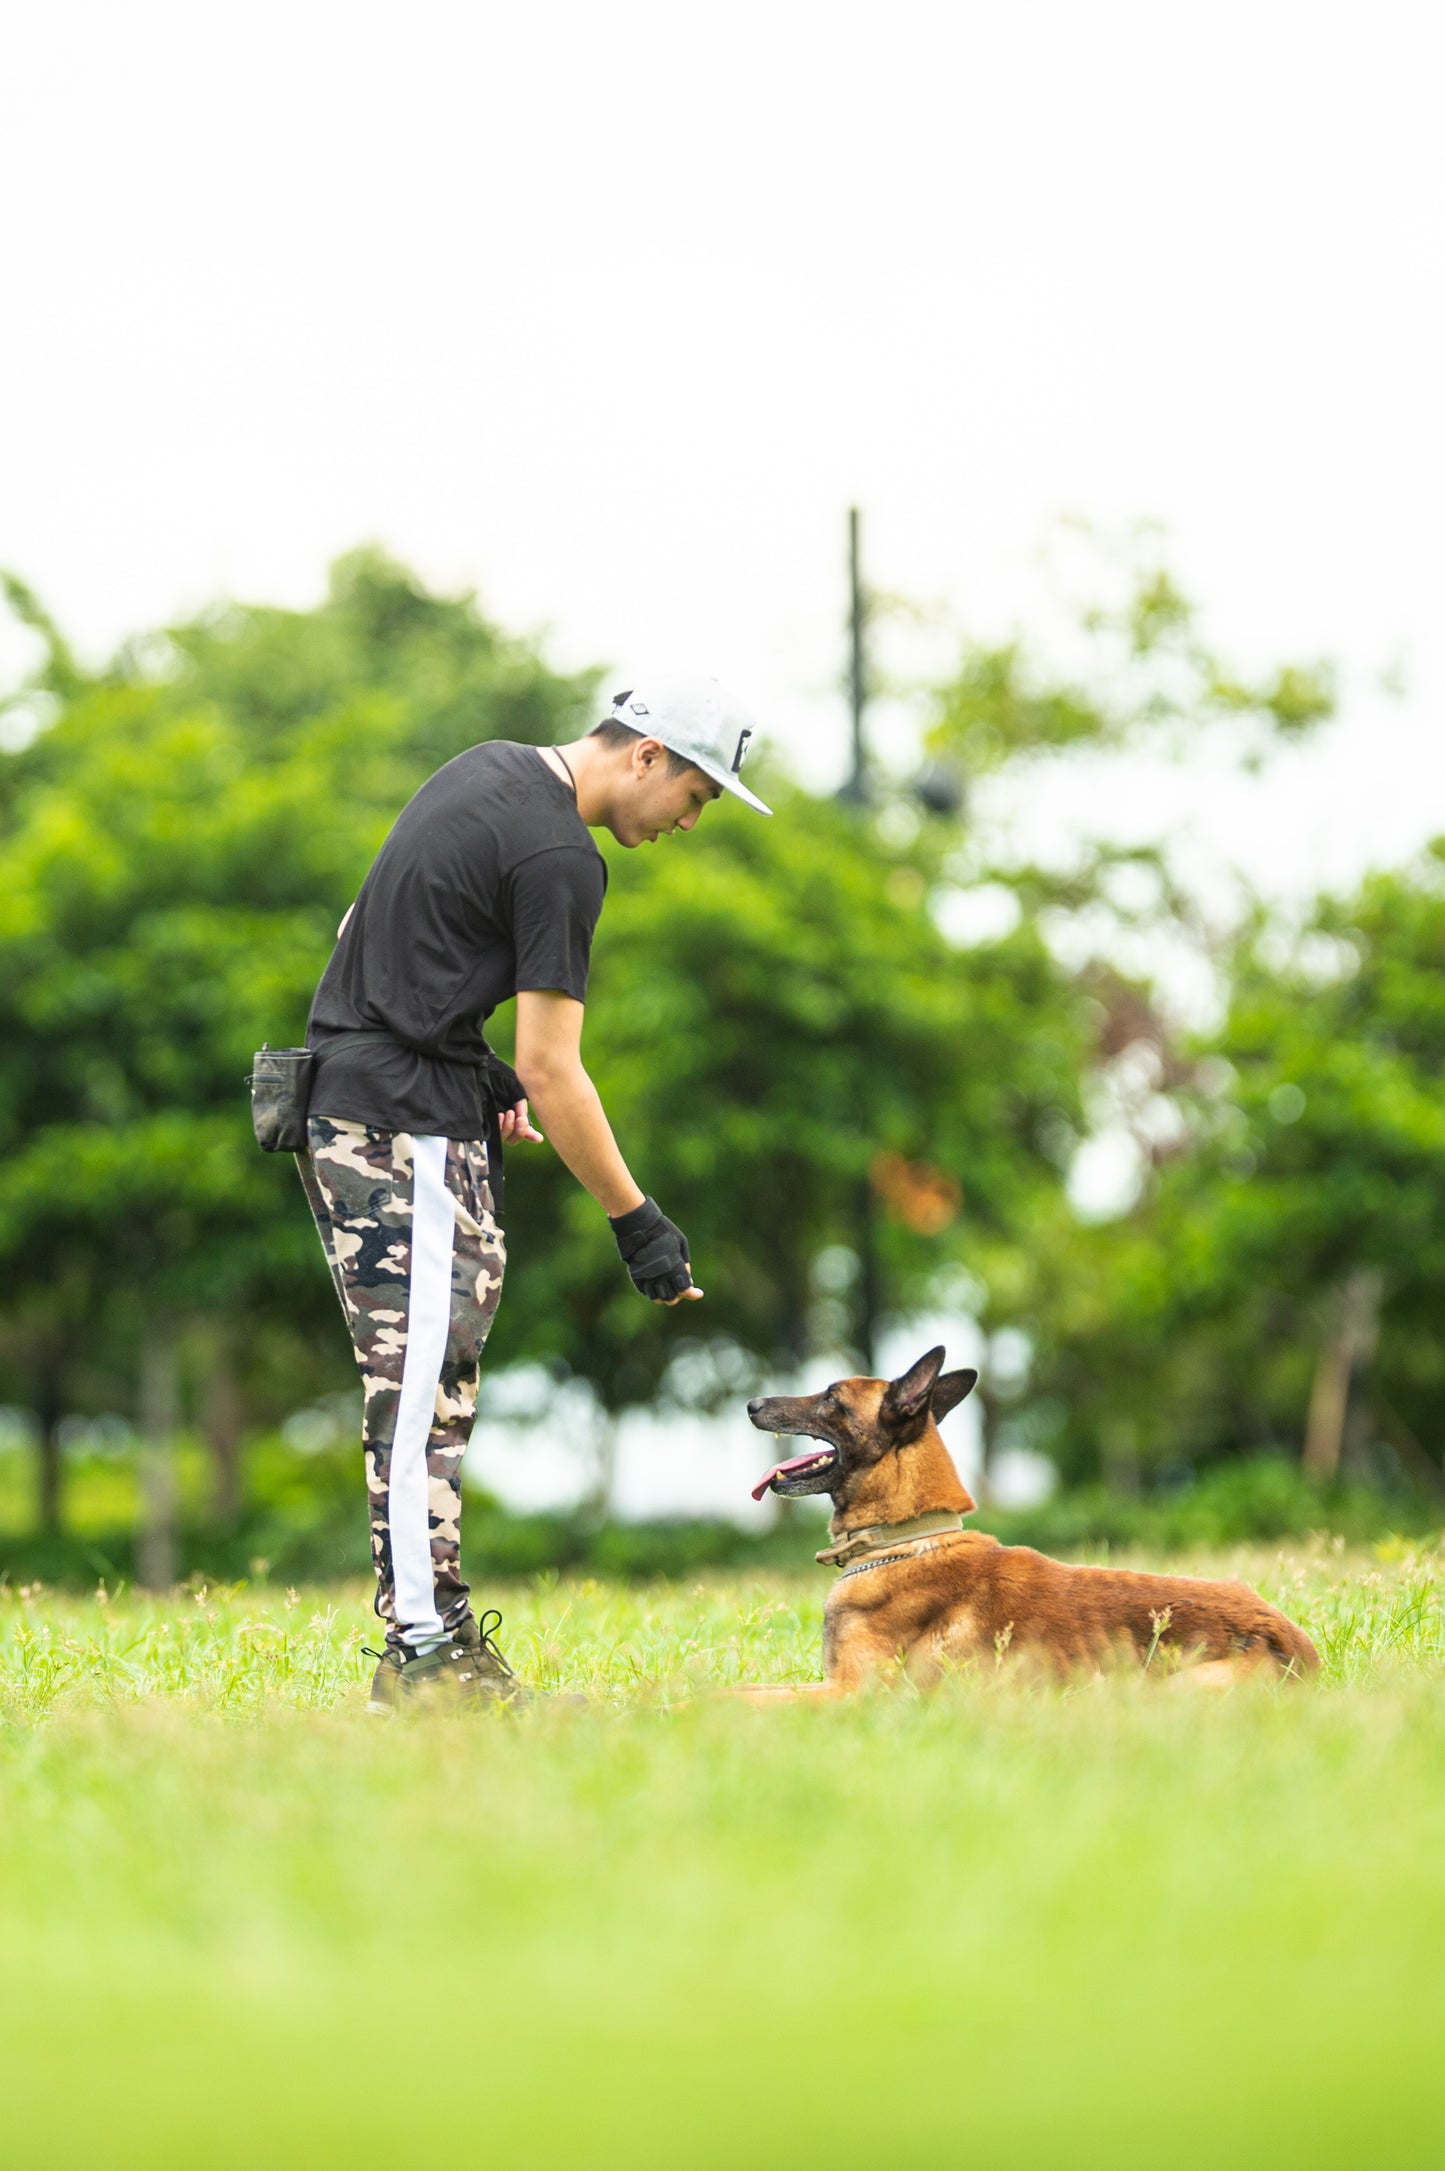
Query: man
[[488, 887]]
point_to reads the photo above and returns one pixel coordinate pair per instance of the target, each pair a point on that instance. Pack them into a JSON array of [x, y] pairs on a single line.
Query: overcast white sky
[[612, 312]]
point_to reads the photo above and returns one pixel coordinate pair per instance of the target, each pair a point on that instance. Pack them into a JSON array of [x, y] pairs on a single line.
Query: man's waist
[[331, 1039]]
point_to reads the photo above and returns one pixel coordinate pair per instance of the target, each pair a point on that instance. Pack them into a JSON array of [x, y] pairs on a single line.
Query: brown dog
[[916, 1587]]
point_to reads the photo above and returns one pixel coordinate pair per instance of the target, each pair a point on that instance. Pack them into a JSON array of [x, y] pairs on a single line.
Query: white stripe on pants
[[428, 1316]]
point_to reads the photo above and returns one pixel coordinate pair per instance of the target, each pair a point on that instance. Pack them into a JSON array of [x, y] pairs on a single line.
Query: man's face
[[653, 801]]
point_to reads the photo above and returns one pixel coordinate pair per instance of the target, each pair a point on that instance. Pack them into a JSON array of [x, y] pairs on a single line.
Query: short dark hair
[[613, 732]]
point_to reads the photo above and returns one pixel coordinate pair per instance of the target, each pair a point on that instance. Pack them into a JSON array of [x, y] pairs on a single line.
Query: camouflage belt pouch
[[280, 1083]]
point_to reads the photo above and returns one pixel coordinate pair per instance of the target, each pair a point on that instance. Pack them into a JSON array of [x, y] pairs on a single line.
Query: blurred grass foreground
[[1123, 1924]]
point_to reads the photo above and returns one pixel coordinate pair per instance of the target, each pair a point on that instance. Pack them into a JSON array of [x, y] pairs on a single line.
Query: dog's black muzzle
[[800, 1474]]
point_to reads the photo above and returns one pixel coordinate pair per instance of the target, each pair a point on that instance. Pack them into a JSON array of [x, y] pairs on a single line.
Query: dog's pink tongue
[[781, 1469]]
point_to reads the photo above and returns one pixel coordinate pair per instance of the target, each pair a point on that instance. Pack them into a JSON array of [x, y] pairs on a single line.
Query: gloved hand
[[654, 1250]]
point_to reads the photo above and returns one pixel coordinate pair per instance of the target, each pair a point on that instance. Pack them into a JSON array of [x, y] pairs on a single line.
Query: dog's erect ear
[[906, 1397], [949, 1390]]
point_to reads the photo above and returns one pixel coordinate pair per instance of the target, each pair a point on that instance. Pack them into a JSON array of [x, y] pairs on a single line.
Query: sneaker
[[467, 1669]]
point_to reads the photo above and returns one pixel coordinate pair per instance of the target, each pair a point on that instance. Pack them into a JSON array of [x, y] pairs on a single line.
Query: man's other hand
[[516, 1127]]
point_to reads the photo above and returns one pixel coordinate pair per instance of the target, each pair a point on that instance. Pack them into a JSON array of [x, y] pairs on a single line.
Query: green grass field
[[1132, 1923]]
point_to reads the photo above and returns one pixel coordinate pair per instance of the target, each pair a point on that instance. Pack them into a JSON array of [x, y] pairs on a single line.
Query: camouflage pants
[[417, 1260]]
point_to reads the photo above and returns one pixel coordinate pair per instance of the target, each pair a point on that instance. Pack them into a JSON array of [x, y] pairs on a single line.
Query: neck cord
[[566, 765]]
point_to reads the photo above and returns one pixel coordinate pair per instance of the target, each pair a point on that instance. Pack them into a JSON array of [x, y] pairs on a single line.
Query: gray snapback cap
[[694, 717]]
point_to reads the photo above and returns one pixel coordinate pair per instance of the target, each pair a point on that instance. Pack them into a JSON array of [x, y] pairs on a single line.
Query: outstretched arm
[[549, 1064]]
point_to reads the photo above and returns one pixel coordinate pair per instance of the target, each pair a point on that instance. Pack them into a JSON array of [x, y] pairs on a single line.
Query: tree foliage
[[774, 1016], [842, 1103], [175, 852], [1146, 672], [783, 1037], [1309, 1151]]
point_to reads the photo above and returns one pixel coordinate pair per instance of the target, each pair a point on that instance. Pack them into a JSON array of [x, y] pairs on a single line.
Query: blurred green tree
[[176, 849], [791, 1049], [1145, 671], [840, 1102], [798, 1062], [1281, 1281]]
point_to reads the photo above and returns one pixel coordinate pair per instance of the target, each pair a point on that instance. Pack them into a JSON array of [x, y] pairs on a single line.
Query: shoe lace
[[488, 1637]]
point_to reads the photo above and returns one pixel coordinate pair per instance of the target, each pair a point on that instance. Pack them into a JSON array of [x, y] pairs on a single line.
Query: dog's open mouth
[[792, 1475]]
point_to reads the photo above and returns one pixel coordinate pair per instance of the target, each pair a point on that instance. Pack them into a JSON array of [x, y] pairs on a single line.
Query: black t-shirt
[[489, 882]]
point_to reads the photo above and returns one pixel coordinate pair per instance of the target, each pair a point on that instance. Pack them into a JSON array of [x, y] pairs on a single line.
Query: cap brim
[[729, 782]]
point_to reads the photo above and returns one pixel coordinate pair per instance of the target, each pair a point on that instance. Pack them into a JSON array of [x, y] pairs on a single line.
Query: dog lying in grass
[[916, 1588]]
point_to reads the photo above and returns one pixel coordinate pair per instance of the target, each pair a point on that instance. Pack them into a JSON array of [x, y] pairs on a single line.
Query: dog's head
[[857, 1424]]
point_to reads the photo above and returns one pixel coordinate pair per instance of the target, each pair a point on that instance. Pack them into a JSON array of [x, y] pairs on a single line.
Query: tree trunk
[[869, 1278], [1349, 1344], [1119, 1457], [222, 1426], [49, 1474], [791, 1276], [597, 1501], [159, 1421], [1420, 1467], [988, 1422]]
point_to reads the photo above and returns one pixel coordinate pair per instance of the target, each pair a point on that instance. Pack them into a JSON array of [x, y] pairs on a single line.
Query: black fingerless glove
[[654, 1250], [503, 1084]]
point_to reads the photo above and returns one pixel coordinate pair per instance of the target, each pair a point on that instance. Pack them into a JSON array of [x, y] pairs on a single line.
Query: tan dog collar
[[886, 1538]]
